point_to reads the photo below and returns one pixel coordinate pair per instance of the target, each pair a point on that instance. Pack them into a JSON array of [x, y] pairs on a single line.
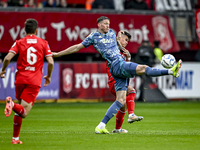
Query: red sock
[[19, 109], [119, 119], [17, 125], [130, 102]]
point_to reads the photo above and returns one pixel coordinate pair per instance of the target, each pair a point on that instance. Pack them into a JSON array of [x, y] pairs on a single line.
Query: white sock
[[16, 114], [170, 71], [15, 138], [118, 129], [101, 125], [13, 104]]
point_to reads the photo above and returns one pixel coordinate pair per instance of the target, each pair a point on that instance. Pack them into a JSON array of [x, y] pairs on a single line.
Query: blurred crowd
[[87, 4]]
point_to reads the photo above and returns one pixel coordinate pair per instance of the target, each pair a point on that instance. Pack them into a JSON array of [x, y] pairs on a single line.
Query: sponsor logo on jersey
[[29, 41], [30, 68], [107, 40]]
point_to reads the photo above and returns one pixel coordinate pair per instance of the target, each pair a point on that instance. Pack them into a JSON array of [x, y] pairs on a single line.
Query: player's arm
[[125, 51], [119, 35], [6, 61], [70, 50], [127, 54], [50, 70]]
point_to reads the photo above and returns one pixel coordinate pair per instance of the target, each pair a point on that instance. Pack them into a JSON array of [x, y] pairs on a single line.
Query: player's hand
[[47, 81], [2, 74], [119, 35], [55, 54], [127, 54]]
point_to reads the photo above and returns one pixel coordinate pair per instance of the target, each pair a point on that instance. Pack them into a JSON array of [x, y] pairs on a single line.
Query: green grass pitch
[[70, 126]]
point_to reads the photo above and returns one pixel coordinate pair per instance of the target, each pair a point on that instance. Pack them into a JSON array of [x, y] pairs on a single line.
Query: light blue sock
[[153, 72], [112, 110]]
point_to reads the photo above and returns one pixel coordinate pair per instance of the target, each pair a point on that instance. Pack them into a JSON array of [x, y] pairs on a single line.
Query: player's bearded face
[[104, 26]]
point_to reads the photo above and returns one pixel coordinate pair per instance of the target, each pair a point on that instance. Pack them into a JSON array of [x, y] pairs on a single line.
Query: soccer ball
[[168, 61]]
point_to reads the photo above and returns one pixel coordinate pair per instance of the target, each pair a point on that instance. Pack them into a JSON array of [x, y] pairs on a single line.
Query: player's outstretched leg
[[8, 108], [154, 72], [132, 118], [177, 68]]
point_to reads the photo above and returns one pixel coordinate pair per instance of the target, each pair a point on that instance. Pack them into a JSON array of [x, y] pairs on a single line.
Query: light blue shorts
[[121, 72]]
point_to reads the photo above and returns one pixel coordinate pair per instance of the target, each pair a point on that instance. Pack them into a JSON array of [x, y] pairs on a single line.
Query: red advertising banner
[[63, 29], [84, 80]]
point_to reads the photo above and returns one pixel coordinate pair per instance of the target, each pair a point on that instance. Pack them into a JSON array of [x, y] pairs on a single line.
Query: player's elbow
[[78, 47], [51, 65], [7, 58], [50, 61]]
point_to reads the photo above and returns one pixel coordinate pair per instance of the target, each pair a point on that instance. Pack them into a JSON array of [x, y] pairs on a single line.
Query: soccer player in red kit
[[122, 43], [28, 77]]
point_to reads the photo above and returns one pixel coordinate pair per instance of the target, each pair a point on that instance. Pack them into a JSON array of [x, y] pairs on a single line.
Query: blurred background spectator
[[3, 3], [88, 4], [18, 3], [145, 54], [62, 4], [136, 4], [49, 3], [103, 4], [30, 3], [197, 55], [76, 3], [119, 5], [21, 3], [150, 4], [157, 51]]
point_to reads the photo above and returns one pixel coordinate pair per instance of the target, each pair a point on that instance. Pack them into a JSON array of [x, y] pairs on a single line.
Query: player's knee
[[122, 101], [141, 69], [24, 116], [123, 108], [129, 89]]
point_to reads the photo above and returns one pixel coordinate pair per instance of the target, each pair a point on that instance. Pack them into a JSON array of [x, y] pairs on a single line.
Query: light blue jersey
[[106, 45]]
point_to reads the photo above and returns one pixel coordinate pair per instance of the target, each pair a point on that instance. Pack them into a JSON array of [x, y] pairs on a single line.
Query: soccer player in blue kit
[[104, 41]]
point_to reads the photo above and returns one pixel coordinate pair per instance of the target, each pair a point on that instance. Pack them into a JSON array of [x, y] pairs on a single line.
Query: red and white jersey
[[31, 50]]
